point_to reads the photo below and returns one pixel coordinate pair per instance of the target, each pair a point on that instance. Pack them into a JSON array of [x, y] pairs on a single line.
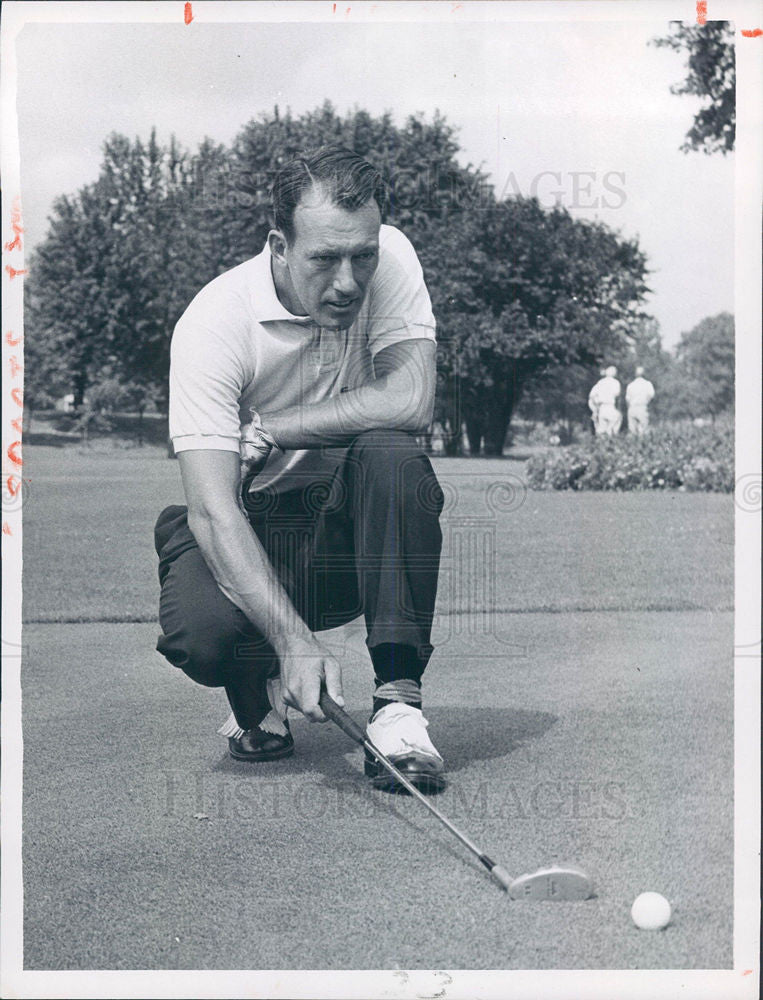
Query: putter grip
[[338, 715]]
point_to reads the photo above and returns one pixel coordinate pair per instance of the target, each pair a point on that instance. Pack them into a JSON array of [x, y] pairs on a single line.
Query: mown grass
[[88, 546], [601, 739]]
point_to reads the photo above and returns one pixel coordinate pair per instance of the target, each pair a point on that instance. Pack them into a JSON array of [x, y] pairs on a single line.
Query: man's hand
[[254, 449], [306, 663]]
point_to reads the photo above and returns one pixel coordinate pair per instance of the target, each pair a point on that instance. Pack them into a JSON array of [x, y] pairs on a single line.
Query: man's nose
[[344, 280]]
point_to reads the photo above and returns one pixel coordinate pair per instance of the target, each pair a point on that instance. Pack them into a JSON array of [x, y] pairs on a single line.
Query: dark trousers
[[364, 541]]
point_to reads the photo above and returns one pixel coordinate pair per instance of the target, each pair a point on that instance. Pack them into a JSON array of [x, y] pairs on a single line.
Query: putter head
[[559, 883]]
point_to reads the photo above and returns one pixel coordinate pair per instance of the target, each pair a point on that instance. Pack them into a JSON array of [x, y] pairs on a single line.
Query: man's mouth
[[341, 304]]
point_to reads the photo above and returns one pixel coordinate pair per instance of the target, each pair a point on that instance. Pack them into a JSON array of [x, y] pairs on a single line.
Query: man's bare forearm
[[245, 575], [390, 402]]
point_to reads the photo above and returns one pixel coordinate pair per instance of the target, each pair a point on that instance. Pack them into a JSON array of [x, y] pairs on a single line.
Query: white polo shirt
[[236, 347], [640, 392], [605, 392]]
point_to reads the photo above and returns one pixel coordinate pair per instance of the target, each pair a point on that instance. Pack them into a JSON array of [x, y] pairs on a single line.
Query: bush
[[671, 456]]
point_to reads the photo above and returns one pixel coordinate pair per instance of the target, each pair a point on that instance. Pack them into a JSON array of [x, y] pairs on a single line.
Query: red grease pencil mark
[[11, 487], [334, 6], [188, 14], [14, 449], [458, 6], [701, 11], [15, 243], [752, 33]]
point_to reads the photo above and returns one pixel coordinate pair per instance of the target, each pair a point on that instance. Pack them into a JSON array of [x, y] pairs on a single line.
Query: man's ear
[[277, 243]]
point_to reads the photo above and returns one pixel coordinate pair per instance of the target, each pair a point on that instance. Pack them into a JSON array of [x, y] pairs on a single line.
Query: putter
[[555, 883]]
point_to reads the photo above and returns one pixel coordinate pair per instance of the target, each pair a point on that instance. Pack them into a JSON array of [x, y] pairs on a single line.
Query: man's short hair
[[349, 180]]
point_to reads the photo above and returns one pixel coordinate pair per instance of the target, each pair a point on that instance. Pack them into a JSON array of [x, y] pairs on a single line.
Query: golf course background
[[580, 692]]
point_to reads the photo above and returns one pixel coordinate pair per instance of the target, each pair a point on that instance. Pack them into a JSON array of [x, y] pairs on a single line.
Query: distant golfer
[[298, 381], [638, 396], [602, 402], [593, 406]]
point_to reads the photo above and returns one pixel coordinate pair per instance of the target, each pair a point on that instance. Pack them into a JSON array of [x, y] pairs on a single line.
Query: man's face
[[332, 257]]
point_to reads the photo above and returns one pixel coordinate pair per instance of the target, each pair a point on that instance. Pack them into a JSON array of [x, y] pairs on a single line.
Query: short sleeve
[[206, 382], [399, 307]]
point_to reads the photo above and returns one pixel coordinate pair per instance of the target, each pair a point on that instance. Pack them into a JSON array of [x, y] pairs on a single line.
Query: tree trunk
[[80, 384], [495, 437], [450, 419], [450, 443], [474, 434], [500, 407]]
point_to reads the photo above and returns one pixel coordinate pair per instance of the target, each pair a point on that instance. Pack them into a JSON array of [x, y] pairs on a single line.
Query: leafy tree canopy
[[516, 288], [705, 366], [711, 75]]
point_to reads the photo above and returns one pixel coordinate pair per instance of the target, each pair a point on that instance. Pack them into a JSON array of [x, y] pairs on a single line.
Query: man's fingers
[[304, 676], [304, 703], [311, 692], [334, 680], [289, 698]]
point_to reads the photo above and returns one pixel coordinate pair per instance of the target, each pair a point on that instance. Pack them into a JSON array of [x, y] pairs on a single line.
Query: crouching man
[[298, 382]]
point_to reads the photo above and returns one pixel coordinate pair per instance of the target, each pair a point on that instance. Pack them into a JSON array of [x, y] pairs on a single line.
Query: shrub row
[[670, 456]]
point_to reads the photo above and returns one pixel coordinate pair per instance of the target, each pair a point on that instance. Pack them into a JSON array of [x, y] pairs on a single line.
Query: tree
[[46, 376], [711, 75], [559, 396], [122, 259], [643, 348], [64, 307], [516, 289], [170, 237], [550, 291], [704, 370]]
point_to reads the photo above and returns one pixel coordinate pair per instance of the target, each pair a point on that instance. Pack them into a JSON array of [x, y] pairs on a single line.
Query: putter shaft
[[337, 715]]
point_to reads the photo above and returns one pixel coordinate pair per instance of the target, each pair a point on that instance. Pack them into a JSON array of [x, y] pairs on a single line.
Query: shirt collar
[[267, 306]]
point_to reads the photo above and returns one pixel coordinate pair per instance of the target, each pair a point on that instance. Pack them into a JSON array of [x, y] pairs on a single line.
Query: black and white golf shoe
[[400, 732]]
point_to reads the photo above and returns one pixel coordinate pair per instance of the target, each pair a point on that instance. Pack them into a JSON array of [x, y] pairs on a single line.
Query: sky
[[579, 112]]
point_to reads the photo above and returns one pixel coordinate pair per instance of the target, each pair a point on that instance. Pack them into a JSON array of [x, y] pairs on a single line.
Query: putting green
[[608, 745], [580, 692]]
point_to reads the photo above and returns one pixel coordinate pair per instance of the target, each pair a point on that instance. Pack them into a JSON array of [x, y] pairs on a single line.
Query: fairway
[[580, 692], [89, 554]]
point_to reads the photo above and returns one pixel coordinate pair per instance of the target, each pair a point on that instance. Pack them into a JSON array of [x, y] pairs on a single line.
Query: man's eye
[[367, 255], [323, 258]]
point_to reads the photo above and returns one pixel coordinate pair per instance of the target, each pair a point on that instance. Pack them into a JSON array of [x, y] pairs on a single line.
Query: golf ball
[[650, 911]]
